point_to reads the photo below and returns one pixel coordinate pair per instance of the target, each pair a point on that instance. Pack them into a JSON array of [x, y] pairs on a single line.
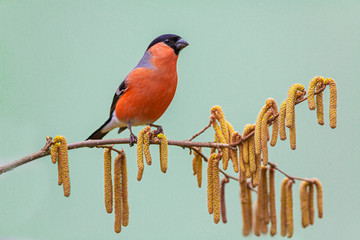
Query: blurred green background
[[61, 62]]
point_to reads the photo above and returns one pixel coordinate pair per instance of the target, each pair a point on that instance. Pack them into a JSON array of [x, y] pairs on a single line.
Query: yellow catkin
[[124, 191], [197, 167], [260, 198], [219, 137], [219, 114], [140, 154], [275, 125], [241, 159], [199, 174], [117, 193], [311, 204], [60, 171], [230, 129], [63, 160], [319, 196], [260, 116], [292, 133], [244, 209], [283, 226], [281, 117], [210, 183], [320, 106], [290, 103], [272, 201], [57, 141], [249, 207], [311, 93], [266, 197], [304, 204], [289, 209], [256, 178], [333, 102], [233, 152], [246, 152], [147, 145], [264, 127], [216, 190], [108, 191], [252, 163], [257, 222], [163, 148], [54, 150], [242, 177]]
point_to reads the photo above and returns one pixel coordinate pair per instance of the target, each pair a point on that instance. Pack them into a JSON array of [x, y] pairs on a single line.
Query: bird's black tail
[[98, 134]]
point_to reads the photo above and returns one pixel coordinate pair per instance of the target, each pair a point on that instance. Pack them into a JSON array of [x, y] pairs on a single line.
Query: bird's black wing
[[119, 92]]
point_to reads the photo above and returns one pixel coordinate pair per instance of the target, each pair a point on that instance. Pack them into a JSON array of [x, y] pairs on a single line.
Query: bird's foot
[[159, 128], [133, 139]]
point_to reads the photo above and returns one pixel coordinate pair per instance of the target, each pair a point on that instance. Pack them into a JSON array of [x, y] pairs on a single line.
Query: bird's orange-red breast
[[148, 89]]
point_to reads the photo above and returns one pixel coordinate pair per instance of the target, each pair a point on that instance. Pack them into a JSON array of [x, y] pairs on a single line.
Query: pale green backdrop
[[61, 61]]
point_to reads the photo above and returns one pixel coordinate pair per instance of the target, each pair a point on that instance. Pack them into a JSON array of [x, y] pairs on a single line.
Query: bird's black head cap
[[172, 40]]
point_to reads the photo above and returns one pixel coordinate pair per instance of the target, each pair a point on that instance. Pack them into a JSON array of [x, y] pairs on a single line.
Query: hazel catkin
[[282, 114], [283, 210], [54, 151], [140, 154], [117, 194], [319, 196], [124, 191], [289, 209], [311, 204], [264, 127], [224, 181], [234, 153], [259, 119], [290, 103], [311, 93], [163, 148], [304, 203], [272, 201], [210, 183], [333, 102], [147, 145], [320, 106], [63, 164], [216, 190], [108, 190]]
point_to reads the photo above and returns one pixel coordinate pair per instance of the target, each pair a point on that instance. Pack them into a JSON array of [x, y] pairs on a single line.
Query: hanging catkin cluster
[[224, 134], [287, 113], [316, 84], [119, 190], [265, 211], [143, 149], [213, 186], [246, 206], [267, 112], [59, 154], [250, 163], [307, 201], [197, 167]]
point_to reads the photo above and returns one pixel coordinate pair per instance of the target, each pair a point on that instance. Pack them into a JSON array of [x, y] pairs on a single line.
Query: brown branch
[[292, 178], [93, 143]]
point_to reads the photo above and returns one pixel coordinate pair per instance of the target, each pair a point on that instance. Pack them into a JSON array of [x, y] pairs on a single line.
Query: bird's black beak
[[180, 44]]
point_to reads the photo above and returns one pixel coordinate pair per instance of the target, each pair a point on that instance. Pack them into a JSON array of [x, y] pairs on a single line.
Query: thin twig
[[273, 165], [202, 130]]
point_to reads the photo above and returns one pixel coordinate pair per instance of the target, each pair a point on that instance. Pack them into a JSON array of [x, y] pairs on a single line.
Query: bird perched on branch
[[147, 90]]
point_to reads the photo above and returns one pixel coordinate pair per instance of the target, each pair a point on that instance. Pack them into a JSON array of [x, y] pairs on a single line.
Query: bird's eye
[[167, 41]]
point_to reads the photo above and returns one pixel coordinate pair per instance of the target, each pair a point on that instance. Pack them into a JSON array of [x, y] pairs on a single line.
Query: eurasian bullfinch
[[147, 90]]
